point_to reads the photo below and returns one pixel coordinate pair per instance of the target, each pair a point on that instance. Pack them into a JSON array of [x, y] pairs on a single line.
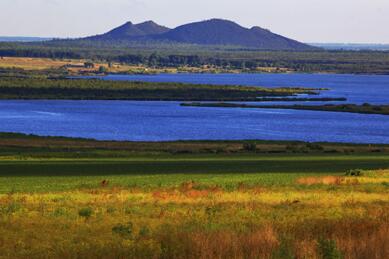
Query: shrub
[[102, 69], [354, 172], [123, 230], [315, 146], [144, 232], [250, 147], [85, 212]]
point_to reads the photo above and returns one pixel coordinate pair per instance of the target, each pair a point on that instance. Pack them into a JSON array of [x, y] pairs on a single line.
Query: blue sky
[[353, 21]]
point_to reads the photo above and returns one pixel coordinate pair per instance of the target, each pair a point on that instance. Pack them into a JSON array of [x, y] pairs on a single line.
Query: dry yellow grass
[[380, 176], [327, 180], [47, 63], [35, 63]]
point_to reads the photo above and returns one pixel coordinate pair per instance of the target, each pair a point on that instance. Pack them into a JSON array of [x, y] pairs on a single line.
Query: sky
[[324, 21]]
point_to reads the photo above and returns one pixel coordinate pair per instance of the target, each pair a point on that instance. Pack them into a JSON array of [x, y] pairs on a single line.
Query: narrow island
[[34, 88], [352, 108]]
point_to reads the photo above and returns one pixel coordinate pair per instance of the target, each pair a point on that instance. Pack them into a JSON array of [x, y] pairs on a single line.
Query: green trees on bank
[[170, 55]]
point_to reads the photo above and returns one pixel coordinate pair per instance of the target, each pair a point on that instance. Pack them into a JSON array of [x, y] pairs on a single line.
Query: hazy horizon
[[331, 21]]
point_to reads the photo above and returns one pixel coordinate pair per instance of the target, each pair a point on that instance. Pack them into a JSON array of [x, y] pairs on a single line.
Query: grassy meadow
[[192, 199], [76, 67], [72, 66]]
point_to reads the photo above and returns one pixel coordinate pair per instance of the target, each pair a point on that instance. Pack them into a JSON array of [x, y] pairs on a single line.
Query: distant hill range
[[210, 32], [352, 46], [22, 39]]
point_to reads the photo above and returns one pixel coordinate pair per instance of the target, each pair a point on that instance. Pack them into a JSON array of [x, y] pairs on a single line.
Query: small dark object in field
[[314, 146], [144, 232], [354, 172], [104, 183], [250, 147], [85, 213], [123, 230]]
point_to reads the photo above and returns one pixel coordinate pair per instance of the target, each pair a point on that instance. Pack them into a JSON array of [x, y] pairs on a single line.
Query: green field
[[226, 171], [33, 163]]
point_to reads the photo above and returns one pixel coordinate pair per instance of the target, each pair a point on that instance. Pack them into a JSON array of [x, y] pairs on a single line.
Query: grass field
[[154, 171], [183, 200], [76, 67]]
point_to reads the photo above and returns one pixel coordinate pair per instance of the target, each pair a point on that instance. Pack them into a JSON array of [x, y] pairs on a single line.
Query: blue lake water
[[356, 88], [163, 121]]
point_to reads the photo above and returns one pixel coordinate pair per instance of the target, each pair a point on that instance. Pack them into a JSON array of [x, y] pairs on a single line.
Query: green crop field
[[165, 171]]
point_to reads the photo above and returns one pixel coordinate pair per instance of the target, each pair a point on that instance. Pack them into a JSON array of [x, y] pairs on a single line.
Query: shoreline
[[20, 144]]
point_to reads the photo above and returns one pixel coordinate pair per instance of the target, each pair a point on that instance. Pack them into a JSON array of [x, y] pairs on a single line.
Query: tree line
[[321, 61]]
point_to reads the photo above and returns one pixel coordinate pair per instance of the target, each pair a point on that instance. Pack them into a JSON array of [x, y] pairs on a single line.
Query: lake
[[165, 121], [359, 89]]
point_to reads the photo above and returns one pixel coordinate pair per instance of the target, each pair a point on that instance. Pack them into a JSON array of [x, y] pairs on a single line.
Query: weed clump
[[250, 147], [354, 172], [13, 207], [144, 232], [85, 212], [123, 230]]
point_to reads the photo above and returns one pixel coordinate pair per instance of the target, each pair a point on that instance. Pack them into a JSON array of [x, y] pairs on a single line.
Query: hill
[[130, 31], [210, 32], [224, 32]]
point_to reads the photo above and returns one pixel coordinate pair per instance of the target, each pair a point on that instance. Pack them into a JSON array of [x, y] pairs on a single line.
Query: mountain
[[210, 32], [130, 31], [224, 32]]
